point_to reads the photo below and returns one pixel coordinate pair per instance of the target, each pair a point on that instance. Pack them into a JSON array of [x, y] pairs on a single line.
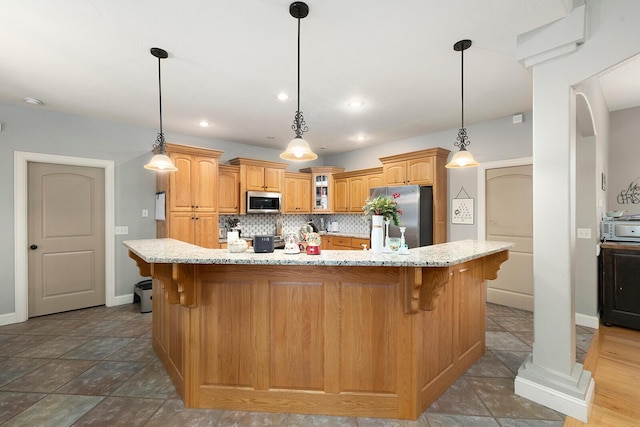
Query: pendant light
[[463, 158], [160, 162], [298, 149]]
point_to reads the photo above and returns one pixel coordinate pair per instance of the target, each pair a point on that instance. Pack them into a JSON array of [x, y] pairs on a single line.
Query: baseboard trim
[[510, 299], [122, 300], [554, 399], [587, 321], [8, 319], [11, 318]]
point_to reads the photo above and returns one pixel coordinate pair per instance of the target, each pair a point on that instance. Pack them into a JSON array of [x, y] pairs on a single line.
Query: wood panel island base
[[344, 333]]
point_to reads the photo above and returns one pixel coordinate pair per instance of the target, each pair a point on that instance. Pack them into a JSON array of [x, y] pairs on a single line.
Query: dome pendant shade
[[463, 158], [298, 150], [160, 162]]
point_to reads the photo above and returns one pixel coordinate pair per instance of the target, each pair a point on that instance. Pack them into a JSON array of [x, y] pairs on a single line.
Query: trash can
[[143, 294]]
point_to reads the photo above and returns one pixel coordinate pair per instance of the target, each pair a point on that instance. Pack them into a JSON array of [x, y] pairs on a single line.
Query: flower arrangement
[[385, 206]]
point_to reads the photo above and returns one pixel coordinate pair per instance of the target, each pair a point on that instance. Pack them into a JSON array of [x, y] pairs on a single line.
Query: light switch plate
[[145, 213], [584, 233], [123, 229]]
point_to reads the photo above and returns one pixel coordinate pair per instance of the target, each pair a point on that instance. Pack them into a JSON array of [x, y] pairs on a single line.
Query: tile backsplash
[[253, 224]]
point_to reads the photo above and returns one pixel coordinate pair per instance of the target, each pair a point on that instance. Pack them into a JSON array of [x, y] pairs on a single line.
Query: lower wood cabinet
[[196, 228], [357, 243], [619, 285], [343, 243], [338, 242]]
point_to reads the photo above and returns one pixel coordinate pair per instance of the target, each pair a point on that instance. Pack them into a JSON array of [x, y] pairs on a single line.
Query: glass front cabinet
[[322, 182]]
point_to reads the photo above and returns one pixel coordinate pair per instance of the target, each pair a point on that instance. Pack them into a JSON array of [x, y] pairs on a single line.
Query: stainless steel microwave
[[262, 202]]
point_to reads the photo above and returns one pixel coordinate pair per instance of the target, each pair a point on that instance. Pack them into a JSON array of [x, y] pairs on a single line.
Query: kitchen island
[[346, 333]]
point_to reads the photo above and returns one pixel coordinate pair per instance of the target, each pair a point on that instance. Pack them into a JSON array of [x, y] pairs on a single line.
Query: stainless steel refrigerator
[[416, 204]]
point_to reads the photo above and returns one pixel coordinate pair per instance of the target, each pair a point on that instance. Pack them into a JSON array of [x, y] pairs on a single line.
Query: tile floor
[[96, 367]]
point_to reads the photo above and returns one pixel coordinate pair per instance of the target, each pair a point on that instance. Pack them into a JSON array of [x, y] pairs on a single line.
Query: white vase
[[376, 234], [386, 249]]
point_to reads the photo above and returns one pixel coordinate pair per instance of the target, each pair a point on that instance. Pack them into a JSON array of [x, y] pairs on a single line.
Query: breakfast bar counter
[[346, 333]]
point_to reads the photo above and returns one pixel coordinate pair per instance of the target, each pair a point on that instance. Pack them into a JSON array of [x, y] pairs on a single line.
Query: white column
[[562, 55], [551, 376]]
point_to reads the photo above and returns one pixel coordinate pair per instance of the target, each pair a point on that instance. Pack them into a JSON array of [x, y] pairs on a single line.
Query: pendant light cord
[[462, 88], [298, 66], [160, 93], [299, 124]]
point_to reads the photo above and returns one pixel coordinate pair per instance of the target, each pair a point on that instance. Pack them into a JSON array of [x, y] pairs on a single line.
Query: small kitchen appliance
[[263, 244], [263, 202], [623, 229]]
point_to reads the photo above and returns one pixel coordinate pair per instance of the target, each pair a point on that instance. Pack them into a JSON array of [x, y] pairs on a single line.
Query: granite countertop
[[168, 251]]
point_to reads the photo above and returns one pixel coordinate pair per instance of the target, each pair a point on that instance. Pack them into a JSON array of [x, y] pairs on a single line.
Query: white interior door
[[66, 230], [509, 217]]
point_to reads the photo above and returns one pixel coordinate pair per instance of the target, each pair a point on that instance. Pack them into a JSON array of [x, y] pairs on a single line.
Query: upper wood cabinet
[[418, 167], [191, 196], [352, 188], [322, 187], [357, 193], [425, 167], [258, 175], [228, 189], [374, 180], [297, 193], [193, 182], [341, 194]]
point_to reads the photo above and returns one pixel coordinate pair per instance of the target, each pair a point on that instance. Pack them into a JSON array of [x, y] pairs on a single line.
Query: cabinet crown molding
[[358, 172], [322, 169], [437, 152], [254, 162], [297, 175], [189, 149]]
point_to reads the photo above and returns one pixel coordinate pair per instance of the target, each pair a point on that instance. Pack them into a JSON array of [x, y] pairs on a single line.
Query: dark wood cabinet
[[620, 284]]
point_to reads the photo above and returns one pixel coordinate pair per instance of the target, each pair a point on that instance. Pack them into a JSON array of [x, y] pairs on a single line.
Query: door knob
[[33, 247]]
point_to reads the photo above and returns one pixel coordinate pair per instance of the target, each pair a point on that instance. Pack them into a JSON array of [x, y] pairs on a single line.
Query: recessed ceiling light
[[283, 96], [360, 138], [204, 123], [356, 104], [33, 101]]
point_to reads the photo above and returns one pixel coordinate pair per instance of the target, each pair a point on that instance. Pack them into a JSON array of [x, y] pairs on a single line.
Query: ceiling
[[229, 59]]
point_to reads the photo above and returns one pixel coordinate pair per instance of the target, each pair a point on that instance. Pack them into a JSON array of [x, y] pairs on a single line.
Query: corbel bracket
[[178, 283], [143, 267], [423, 286], [492, 264]]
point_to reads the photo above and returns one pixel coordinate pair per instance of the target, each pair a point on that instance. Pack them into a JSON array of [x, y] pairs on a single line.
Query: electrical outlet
[[145, 213], [123, 229], [584, 233]]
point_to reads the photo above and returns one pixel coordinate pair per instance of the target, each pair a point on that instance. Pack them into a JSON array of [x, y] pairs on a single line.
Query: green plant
[[385, 206]]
